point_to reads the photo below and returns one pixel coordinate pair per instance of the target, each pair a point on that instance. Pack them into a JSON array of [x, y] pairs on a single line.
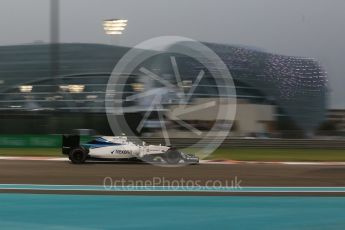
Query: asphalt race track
[[265, 175]]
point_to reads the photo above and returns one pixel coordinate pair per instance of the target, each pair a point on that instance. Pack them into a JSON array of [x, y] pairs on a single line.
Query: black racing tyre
[[172, 157], [78, 156], [149, 158]]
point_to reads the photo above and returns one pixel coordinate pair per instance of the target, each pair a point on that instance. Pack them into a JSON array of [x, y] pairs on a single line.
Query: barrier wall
[[55, 141], [33, 141]]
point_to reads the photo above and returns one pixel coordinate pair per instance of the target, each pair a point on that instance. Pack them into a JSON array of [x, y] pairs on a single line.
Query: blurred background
[[285, 58]]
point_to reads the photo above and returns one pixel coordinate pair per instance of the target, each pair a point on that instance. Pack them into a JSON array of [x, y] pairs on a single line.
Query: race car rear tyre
[[78, 156], [172, 157]]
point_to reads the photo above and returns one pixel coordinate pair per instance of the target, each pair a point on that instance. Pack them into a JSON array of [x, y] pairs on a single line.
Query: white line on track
[[225, 162], [275, 163], [34, 158], [98, 188]]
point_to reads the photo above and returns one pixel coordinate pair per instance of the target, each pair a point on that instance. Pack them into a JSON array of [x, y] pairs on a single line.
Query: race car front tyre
[[148, 158], [172, 157], [78, 156]]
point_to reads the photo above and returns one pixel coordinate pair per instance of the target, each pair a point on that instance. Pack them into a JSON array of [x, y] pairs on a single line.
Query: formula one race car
[[120, 148]]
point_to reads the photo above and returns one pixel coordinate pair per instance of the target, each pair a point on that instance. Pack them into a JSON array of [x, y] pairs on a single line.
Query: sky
[[311, 28]]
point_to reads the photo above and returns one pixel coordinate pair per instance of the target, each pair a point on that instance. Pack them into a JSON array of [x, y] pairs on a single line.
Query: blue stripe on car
[[94, 146]]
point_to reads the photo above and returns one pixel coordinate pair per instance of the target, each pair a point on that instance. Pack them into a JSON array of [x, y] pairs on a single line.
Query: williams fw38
[[120, 148]]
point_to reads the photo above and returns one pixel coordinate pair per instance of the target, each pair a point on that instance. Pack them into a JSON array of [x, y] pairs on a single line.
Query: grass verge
[[247, 154], [42, 152]]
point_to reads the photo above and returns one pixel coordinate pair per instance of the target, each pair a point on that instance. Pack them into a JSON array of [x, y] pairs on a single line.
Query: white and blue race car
[[120, 148]]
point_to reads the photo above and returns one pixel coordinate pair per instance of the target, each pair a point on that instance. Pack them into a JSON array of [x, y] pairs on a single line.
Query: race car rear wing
[[70, 142]]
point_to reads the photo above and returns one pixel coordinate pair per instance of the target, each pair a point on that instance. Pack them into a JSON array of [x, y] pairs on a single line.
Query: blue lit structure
[[297, 86]]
